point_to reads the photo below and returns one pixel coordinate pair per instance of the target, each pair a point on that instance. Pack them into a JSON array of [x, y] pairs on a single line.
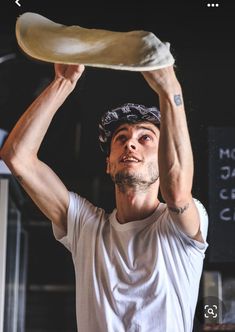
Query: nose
[[131, 144]]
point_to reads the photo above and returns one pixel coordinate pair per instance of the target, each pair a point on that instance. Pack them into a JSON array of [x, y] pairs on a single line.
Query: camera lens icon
[[210, 311]]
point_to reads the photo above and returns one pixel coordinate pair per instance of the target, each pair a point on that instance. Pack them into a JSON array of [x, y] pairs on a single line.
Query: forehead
[[125, 127]]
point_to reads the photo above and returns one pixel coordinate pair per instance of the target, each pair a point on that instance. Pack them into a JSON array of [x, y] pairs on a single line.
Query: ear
[[107, 165]]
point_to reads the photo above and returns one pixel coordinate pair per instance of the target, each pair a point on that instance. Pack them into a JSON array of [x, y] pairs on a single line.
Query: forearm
[[26, 137], [175, 153]]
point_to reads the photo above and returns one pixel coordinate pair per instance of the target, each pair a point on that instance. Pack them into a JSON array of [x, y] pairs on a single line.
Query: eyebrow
[[138, 127]]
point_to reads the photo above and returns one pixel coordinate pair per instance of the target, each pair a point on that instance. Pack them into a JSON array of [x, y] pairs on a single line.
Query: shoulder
[[83, 210]]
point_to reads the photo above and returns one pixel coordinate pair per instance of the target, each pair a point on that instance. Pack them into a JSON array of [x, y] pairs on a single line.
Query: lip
[[127, 158]]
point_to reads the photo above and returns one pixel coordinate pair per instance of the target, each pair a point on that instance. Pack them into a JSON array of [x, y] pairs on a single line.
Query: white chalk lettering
[[223, 153], [227, 193], [227, 172], [227, 153], [227, 214], [223, 194]]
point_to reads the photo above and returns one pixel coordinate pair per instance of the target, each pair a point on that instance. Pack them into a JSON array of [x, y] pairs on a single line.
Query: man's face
[[133, 159]]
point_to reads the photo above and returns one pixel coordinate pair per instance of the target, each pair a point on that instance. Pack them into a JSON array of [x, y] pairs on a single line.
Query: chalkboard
[[221, 194]]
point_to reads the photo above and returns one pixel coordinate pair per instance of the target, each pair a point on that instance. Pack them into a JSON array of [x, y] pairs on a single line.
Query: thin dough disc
[[46, 40]]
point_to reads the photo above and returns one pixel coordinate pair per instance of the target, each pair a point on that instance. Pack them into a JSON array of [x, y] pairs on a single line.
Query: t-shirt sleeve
[[200, 246], [79, 211]]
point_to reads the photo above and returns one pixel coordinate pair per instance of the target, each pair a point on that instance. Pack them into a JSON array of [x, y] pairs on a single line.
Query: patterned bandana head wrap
[[127, 113]]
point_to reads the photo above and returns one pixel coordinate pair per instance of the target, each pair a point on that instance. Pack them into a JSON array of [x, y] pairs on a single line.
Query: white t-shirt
[[140, 276]]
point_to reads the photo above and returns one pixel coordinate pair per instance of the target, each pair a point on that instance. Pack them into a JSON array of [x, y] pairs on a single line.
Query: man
[[139, 268]]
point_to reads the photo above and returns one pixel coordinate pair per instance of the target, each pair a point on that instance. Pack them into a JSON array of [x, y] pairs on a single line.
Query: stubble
[[139, 182]]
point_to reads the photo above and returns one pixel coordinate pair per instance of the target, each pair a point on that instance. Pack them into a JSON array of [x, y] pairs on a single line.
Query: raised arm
[[175, 153], [21, 148]]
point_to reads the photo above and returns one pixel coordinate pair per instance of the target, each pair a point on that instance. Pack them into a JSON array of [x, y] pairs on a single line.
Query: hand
[[162, 80], [69, 72]]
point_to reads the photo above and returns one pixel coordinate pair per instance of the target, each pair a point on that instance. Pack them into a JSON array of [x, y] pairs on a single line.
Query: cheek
[[153, 155], [114, 150]]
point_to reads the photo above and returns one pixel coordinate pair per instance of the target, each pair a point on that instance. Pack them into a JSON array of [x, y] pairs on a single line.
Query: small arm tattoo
[[179, 210], [178, 100]]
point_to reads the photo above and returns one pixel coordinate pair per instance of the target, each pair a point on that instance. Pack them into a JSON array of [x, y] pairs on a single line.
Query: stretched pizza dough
[[46, 40]]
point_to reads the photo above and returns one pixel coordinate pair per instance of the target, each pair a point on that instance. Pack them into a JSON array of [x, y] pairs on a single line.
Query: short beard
[[124, 180]]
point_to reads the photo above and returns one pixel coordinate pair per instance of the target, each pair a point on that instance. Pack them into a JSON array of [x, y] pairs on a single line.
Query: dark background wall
[[203, 44]]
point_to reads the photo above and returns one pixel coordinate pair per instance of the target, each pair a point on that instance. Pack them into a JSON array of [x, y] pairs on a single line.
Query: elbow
[[17, 159], [10, 158], [178, 199], [177, 193], [10, 161], [7, 154]]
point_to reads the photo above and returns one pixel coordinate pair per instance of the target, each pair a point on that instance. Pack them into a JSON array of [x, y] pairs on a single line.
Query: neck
[[133, 204]]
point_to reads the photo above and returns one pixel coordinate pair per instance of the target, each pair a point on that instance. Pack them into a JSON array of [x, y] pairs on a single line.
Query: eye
[[146, 138], [121, 138]]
